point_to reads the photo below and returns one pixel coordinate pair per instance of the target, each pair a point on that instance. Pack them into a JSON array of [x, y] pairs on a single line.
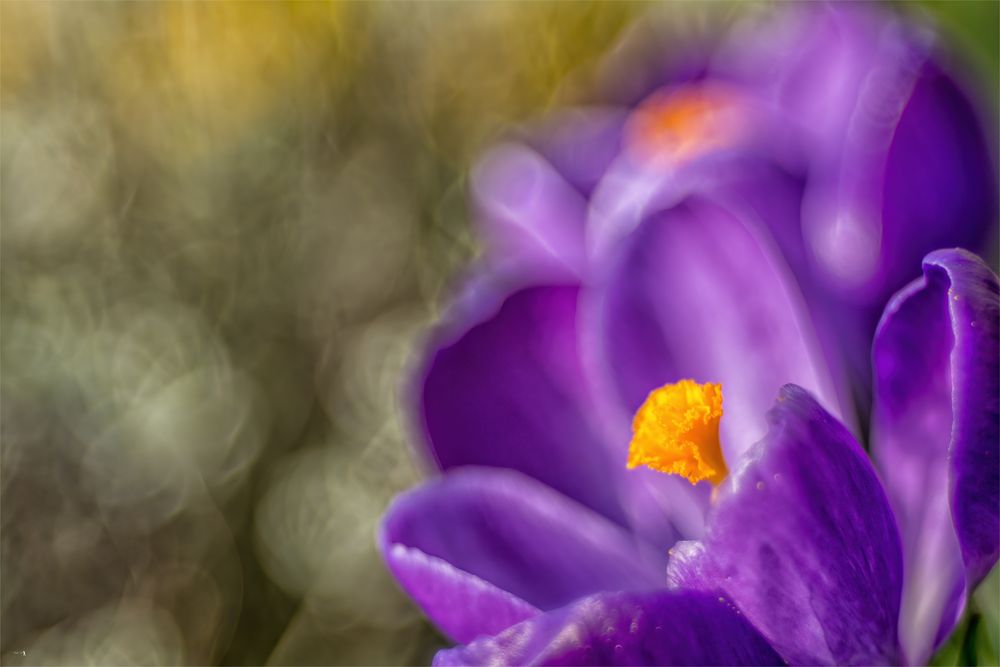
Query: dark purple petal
[[940, 186], [935, 436], [913, 173], [651, 628], [508, 391], [802, 538], [505, 542]]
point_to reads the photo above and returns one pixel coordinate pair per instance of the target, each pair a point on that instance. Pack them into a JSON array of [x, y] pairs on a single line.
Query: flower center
[[676, 431], [682, 123]]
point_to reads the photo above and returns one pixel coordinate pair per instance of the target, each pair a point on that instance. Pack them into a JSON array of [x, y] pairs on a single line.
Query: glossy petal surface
[[802, 538], [528, 545], [935, 437], [652, 628], [508, 391]]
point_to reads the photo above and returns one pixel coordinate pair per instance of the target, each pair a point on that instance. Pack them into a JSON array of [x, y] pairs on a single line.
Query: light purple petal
[[461, 604], [698, 290], [506, 389], [935, 436], [505, 542], [651, 628], [901, 162], [695, 288], [802, 538], [581, 143], [815, 61], [528, 214]]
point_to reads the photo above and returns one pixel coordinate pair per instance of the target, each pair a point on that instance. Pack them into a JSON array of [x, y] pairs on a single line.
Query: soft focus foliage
[[225, 225]]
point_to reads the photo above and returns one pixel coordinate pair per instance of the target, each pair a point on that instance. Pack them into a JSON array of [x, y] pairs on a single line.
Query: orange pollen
[[676, 431], [683, 123]]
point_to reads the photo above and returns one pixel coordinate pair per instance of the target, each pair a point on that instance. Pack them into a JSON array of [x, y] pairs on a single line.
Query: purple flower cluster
[[745, 223]]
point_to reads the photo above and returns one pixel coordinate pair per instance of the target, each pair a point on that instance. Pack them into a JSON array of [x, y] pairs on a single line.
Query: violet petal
[[581, 143], [651, 628], [528, 213], [935, 436], [530, 546], [901, 160], [801, 536], [698, 291], [509, 391]]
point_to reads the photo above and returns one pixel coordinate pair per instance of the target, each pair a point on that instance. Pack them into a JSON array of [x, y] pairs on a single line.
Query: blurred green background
[[225, 227]]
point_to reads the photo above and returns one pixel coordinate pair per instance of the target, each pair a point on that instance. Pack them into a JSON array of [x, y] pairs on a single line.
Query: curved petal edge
[[652, 628], [935, 435], [481, 548]]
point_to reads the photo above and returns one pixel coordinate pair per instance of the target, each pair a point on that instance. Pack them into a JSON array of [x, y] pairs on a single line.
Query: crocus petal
[[935, 436], [651, 628], [699, 291], [940, 185], [802, 538], [900, 186], [461, 604], [901, 162], [581, 143], [509, 543], [508, 391], [528, 214], [814, 62]]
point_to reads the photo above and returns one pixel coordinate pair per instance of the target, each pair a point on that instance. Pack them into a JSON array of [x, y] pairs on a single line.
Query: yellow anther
[[676, 431]]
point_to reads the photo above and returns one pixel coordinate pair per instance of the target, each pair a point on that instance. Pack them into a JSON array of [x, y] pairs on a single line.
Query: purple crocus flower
[[642, 247], [858, 109], [801, 557]]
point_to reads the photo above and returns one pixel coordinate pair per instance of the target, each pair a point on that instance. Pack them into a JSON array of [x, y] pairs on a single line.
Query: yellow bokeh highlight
[[202, 75], [23, 42], [676, 431]]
